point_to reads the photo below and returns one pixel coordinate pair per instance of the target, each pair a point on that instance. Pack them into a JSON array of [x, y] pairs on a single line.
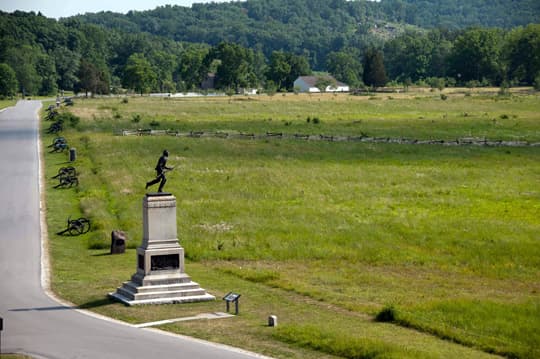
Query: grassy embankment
[[7, 103], [322, 234]]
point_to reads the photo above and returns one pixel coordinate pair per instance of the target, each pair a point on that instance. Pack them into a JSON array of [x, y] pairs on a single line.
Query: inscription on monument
[[165, 262]]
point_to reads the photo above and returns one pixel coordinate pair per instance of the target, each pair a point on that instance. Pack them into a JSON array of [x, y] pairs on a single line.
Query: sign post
[[232, 297]]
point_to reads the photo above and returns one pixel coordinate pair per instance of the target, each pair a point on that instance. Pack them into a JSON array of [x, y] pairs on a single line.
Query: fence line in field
[[466, 141]]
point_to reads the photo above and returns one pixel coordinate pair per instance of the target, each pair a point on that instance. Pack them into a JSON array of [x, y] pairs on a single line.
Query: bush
[[505, 89], [154, 123], [136, 118], [536, 82], [316, 120], [386, 315], [125, 100], [69, 118], [444, 97]]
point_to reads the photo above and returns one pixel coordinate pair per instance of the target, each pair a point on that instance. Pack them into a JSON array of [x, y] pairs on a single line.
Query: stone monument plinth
[[160, 276]]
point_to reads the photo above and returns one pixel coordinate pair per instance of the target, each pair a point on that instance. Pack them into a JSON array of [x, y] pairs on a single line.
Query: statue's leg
[[163, 181], [154, 181]]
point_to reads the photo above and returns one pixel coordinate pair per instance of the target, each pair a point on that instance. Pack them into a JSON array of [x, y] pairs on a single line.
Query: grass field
[[325, 235], [7, 103]]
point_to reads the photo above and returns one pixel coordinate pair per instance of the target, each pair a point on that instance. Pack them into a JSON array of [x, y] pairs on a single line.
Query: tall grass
[[507, 329], [343, 345], [427, 117]]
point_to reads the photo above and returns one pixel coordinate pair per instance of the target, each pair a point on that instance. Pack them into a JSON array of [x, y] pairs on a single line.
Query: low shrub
[[386, 315], [136, 118], [69, 118]]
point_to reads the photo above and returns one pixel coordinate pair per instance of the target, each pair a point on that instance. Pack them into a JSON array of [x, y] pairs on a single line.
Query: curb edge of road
[[45, 260], [46, 271]]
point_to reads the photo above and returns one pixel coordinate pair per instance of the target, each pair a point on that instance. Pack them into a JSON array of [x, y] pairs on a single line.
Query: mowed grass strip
[[341, 229]]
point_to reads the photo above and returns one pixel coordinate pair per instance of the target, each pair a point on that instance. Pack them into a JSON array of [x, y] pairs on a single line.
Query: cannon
[[76, 227]]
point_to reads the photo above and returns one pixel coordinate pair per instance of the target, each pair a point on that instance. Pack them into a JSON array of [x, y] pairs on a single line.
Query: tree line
[[314, 28], [39, 55]]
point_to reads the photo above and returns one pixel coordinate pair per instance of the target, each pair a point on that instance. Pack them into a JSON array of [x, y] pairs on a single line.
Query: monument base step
[[173, 300], [135, 288], [172, 293], [160, 279]]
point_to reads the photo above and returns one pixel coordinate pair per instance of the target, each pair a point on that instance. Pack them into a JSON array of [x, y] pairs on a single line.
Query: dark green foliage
[[316, 27], [523, 54], [387, 314], [476, 56], [536, 83], [92, 79], [374, 71], [138, 74], [249, 44], [346, 67], [285, 67], [69, 118], [236, 66], [8, 81]]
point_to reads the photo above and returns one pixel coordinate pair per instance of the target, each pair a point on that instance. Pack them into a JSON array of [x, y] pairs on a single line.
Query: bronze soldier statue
[[161, 167]]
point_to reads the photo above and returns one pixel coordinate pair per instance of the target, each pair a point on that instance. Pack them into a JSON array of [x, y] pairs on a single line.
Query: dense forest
[[314, 28], [268, 43]]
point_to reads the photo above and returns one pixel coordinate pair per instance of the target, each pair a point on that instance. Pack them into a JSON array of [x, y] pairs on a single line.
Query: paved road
[[34, 323]]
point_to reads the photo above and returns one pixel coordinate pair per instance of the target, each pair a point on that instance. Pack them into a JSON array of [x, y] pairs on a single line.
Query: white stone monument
[[160, 276]]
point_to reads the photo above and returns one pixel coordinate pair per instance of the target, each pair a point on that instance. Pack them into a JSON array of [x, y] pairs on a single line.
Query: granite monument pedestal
[[160, 276]]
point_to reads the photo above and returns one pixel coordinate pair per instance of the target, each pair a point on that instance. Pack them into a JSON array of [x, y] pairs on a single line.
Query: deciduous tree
[[8, 80], [345, 67], [476, 56], [138, 74]]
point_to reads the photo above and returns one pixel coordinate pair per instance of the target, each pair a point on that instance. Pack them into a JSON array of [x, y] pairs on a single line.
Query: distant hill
[[313, 27]]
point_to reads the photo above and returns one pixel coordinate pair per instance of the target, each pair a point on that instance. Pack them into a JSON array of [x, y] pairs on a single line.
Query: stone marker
[[118, 242], [160, 276], [272, 321]]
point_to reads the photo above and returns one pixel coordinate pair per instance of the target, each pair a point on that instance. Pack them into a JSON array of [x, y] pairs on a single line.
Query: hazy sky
[[57, 9]]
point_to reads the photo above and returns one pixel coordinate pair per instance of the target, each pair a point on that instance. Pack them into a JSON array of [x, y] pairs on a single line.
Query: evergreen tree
[[374, 71], [92, 79]]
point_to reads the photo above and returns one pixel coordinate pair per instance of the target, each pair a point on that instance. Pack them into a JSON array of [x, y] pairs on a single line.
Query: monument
[[160, 276]]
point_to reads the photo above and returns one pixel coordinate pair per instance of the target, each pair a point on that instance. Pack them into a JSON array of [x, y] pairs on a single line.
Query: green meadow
[[362, 250], [6, 103]]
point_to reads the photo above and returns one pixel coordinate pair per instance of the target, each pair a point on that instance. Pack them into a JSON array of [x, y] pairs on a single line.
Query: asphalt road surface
[[34, 323]]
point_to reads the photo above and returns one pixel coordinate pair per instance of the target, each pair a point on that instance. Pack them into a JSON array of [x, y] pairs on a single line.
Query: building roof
[[312, 80]]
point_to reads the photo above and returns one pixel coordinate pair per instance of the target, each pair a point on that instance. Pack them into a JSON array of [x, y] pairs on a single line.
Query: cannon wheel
[[79, 226]]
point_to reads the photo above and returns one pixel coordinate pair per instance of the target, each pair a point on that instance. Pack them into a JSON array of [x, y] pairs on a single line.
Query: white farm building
[[309, 84]]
